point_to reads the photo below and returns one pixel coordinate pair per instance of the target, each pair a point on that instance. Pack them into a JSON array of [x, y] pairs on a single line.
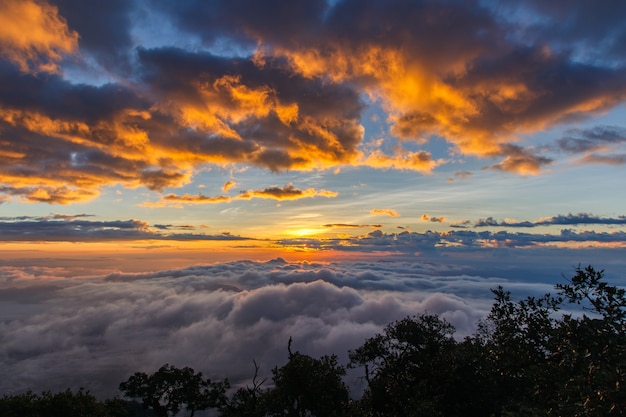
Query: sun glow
[[306, 232]]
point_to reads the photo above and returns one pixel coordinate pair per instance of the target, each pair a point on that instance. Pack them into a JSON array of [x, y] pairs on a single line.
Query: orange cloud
[[260, 114], [384, 212], [349, 226], [228, 185], [33, 35], [420, 161], [297, 104], [196, 199], [478, 99], [427, 218], [521, 161], [52, 195], [288, 192]]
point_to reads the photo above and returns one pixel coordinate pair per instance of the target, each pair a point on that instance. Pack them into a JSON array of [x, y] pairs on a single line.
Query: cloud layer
[[57, 332]]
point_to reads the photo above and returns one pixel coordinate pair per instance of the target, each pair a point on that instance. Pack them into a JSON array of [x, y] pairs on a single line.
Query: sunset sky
[[431, 149]]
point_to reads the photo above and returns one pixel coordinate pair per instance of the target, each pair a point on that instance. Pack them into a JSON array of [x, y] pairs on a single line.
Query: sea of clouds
[[59, 330]]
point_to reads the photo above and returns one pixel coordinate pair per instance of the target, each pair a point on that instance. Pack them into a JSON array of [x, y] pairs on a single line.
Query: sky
[[195, 182]]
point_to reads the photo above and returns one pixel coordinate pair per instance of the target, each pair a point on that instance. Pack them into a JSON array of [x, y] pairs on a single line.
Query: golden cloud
[[196, 199], [521, 161], [459, 99], [420, 161], [426, 218], [349, 226], [295, 105], [33, 35], [288, 192], [384, 212], [52, 195], [228, 185]]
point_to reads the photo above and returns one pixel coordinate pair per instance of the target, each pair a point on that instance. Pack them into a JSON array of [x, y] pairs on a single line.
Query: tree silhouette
[[61, 404], [406, 367], [169, 389], [306, 386]]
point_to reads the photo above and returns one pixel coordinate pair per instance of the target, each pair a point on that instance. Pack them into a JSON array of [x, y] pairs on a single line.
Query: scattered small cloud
[[598, 138], [228, 185], [603, 159], [461, 175], [461, 224], [384, 212], [521, 161], [426, 218]]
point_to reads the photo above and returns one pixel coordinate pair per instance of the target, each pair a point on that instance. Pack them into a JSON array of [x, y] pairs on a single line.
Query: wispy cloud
[[72, 228], [288, 192], [520, 161], [350, 226], [384, 212], [568, 219], [196, 199], [598, 145]]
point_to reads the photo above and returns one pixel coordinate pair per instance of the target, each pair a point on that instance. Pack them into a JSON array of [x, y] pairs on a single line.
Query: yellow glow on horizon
[[97, 259], [303, 232]]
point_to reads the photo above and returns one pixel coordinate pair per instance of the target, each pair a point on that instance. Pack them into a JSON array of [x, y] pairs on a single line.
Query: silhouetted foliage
[[306, 386], [169, 389], [61, 404], [405, 366], [573, 364], [247, 401], [524, 360]]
